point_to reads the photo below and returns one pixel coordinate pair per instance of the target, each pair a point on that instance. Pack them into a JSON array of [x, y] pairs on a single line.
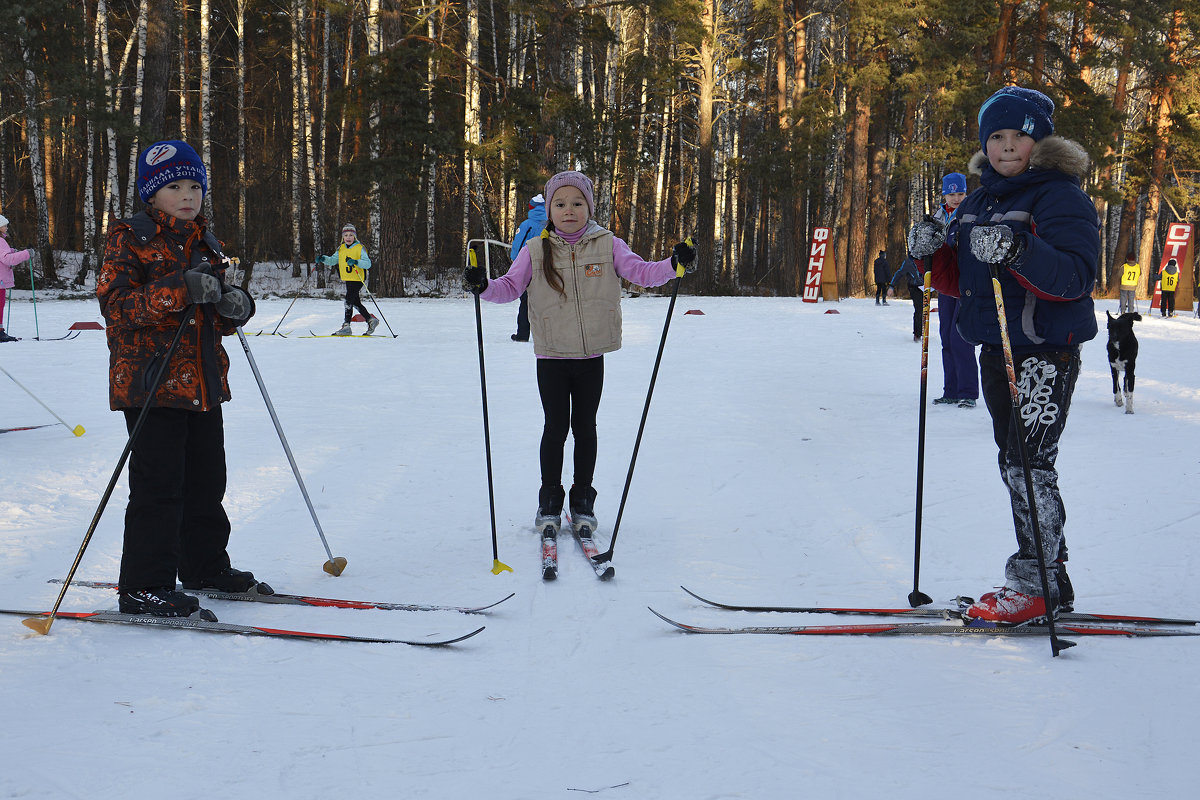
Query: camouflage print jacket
[[145, 300]]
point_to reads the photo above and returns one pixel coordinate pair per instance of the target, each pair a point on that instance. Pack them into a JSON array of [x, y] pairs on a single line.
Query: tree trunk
[[206, 100], [33, 141], [297, 160], [859, 106], [159, 23], [705, 201], [1161, 102]]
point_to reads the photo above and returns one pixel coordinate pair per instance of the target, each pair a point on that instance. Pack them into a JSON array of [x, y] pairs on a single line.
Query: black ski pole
[[498, 566], [335, 565], [294, 299], [917, 597], [1056, 644], [371, 295], [601, 558], [41, 624]]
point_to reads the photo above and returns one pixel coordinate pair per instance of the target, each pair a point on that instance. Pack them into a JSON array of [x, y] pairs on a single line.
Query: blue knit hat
[[167, 162], [1020, 109], [954, 182]]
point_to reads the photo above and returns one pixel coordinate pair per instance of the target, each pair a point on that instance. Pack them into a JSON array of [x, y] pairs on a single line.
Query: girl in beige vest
[[573, 274]]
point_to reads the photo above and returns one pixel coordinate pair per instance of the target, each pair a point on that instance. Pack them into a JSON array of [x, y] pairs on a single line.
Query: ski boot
[[583, 499], [372, 324], [343, 331], [234, 581], [161, 602]]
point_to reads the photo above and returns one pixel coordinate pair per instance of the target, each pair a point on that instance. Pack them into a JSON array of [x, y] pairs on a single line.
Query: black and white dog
[[1122, 355]]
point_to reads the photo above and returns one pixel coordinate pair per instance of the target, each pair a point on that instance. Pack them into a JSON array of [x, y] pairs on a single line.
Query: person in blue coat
[[1031, 224], [960, 371], [531, 228]]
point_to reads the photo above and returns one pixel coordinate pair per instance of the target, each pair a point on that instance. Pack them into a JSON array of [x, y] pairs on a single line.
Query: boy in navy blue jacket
[[1031, 221]]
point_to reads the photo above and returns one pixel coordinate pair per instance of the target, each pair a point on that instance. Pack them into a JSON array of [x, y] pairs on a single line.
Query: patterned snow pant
[[1045, 383]]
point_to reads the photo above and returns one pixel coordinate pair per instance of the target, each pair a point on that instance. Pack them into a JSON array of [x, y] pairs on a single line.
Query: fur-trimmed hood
[[1052, 152]]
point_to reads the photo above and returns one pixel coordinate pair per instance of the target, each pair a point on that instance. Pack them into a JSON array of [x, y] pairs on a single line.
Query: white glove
[[926, 237], [995, 244]]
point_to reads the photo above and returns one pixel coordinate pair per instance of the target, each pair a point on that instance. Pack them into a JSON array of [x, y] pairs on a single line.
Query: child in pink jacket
[[9, 258]]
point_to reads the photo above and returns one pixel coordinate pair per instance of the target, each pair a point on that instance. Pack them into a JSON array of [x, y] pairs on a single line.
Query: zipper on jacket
[[578, 304]]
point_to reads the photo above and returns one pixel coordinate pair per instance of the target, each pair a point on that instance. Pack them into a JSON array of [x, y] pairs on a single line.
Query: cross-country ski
[[196, 623], [279, 598]]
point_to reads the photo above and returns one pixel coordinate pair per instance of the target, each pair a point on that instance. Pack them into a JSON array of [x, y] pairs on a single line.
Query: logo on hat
[[1029, 125], [160, 153]]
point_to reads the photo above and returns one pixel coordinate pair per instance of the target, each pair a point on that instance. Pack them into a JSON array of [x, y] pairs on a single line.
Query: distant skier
[[352, 262], [9, 258], [531, 228]]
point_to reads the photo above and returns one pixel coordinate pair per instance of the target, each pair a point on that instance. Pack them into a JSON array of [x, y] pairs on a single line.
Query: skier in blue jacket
[[1032, 223], [531, 228]]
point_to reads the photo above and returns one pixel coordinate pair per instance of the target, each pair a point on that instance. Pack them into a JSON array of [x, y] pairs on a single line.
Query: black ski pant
[[1045, 384], [353, 301], [1168, 304], [917, 295], [570, 389], [523, 317], [175, 523]]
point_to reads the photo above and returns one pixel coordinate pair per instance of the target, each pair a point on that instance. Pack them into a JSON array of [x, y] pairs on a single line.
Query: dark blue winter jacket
[[531, 228], [1048, 291]]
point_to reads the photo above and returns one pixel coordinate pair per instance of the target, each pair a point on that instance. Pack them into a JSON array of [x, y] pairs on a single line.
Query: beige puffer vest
[[584, 320]]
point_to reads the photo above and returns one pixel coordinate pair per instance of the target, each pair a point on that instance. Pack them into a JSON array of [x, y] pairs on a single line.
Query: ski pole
[[498, 566], [917, 597], [41, 624], [371, 295], [77, 430], [37, 334], [1056, 644], [294, 299], [601, 558], [334, 566]]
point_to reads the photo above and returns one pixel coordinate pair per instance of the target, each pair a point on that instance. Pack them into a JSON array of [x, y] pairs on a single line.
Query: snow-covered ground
[[778, 466]]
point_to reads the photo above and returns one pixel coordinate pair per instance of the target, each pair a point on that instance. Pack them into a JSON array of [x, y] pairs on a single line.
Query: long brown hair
[[552, 277]]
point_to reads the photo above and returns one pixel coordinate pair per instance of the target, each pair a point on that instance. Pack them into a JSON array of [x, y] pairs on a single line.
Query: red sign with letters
[[817, 251]]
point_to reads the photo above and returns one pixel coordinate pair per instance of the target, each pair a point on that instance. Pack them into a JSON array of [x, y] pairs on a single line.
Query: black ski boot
[[550, 505], [159, 602], [1066, 592], [231, 580], [583, 499]]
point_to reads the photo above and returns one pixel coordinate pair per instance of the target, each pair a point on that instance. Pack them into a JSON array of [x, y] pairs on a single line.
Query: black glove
[[234, 305], [684, 254], [202, 285], [474, 280], [926, 237], [996, 244]]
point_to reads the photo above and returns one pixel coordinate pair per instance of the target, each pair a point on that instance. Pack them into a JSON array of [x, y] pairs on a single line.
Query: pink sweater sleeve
[[512, 284], [631, 267], [628, 264], [10, 257]]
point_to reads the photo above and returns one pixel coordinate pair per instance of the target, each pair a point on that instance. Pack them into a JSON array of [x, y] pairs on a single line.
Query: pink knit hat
[[572, 178]]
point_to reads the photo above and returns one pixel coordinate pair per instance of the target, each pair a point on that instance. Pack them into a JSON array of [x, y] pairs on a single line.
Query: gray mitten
[[926, 237], [234, 305], [202, 286], [995, 244]]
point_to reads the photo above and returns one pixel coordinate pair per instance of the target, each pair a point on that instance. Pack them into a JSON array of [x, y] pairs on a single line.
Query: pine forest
[[743, 123]]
